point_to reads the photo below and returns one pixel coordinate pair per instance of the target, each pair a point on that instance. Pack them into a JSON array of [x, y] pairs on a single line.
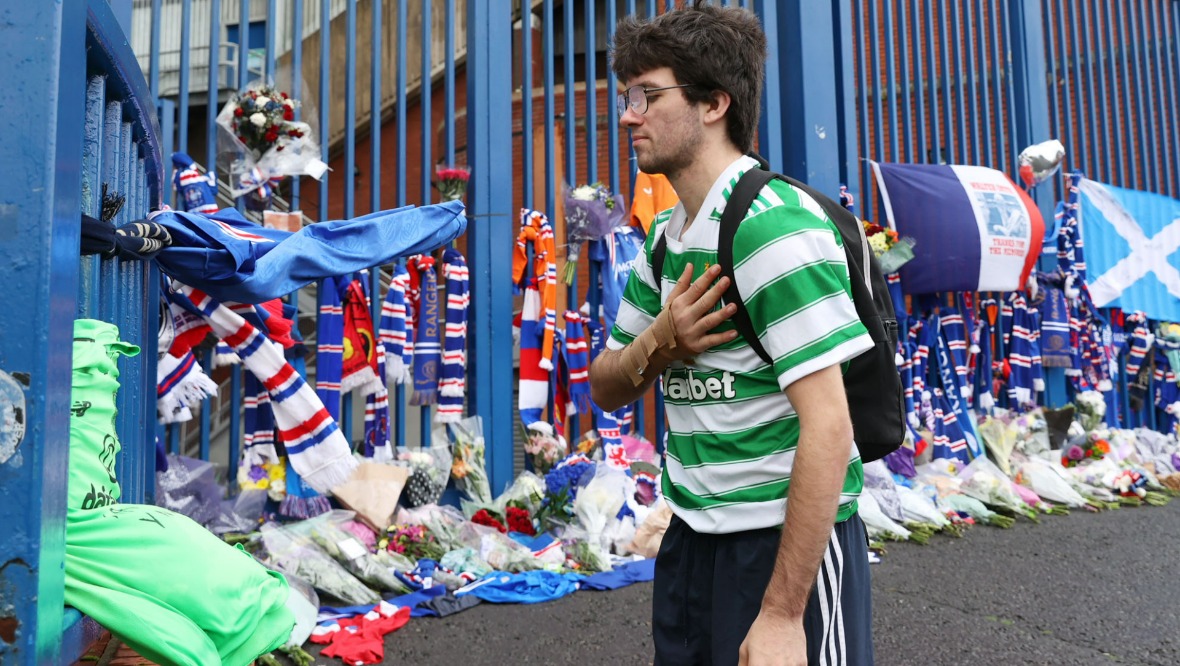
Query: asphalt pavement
[[1073, 590]]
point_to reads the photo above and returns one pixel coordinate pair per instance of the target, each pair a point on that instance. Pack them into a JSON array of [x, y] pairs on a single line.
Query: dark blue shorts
[[708, 590]]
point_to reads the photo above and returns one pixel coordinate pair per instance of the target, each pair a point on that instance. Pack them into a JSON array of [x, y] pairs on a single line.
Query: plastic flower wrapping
[[544, 449], [292, 553], [891, 251], [429, 470], [260, 142], [1091, 409], [591, 212], [451, 181], [469, 467], [328, 532]]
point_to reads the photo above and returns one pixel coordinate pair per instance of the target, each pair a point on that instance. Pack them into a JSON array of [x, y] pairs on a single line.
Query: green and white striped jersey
[[732, 432]]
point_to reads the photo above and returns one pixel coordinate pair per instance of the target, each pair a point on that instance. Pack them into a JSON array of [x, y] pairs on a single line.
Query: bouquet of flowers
[[268, 476], [429, 470], [1086, 447], [260, 142], [416, 542], [892, 252], [542, 448], [1091, 409], [451, 181], [469, 468], [591, 212]]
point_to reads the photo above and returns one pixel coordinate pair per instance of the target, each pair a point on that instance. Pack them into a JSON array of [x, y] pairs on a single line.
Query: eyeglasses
[[635, 97]]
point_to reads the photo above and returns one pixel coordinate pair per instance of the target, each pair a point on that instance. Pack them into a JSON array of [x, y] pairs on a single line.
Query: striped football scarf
[[359, 360], [452, 383], [537, 233], [180, 382], [427, 350], [576, 360], [329, 346], [376, 444], [313, 441], [393, 329], [258, 443], [533, 394]]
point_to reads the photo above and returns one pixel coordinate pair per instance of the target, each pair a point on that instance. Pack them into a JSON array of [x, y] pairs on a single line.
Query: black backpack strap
[[747, 189], [658, 250]]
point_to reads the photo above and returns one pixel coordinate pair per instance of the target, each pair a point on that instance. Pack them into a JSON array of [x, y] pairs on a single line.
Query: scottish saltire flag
[[975, 230], [233, 259], [1132, 249]]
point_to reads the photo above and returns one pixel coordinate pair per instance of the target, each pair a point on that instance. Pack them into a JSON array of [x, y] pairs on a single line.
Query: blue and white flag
[[232, 259], [1132, 249], [974, 229]]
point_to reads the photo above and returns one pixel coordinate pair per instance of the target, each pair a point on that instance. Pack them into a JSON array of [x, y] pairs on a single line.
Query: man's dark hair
[[713, 48]]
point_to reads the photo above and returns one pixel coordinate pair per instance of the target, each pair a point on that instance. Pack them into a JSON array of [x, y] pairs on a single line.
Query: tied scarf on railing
[[393, 334], [314, 443], [427, 351], [453, 383]]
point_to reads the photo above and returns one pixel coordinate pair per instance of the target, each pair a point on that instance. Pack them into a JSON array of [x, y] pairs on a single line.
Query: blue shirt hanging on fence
[[233, 259]]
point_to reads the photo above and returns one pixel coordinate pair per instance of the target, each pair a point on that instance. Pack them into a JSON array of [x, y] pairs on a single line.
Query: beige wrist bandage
[[637, 356]]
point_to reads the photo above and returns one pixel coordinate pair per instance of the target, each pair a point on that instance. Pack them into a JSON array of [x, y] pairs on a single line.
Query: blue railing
[[78, 116], [906, 80]]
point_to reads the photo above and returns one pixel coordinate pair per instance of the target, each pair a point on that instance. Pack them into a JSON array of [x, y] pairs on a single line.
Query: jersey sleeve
[[641, 297], [791, 271]]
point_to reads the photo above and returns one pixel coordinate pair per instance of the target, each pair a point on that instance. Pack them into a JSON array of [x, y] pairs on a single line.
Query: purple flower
[[1075, 452], [257, 473]]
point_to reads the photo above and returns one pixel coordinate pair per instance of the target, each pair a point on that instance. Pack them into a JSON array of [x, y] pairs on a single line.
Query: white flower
[[289, 103], [258, 119], [262, 100], [585, 193]]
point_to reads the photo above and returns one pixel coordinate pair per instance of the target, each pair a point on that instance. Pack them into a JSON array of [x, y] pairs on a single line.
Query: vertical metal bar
[[873, 33], [935, 92], [960, 101], [186, 19], [214, 86], [1171, 104], [206, 360], [1110, 102], [426, 90], [296, 92], [154, 67], [985, 91], [350, 113], [346, 407], [890, 83], [1143, 99], [859, 37], [489, 131], [1013, 100], [972, 103], [770, 126], [375, 104], [571, 153], [612, 111], [1097, 159], [911, 83], [999, 136], [1073, 55], [243, 43], [651, 8], [92, 170], [325, 103], [1096, 57], [449, 83], [271, 41], [1132, 164], [1060, 119], [549, 48], [235, 425], [591, 56], [526, 104], [399, 392]]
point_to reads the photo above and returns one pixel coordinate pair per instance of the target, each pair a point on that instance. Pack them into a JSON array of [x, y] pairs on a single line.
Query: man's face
[[667, 137]]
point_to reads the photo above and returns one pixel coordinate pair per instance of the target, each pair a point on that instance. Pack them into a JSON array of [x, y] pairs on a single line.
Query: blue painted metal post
[[296, 92], [1031, 102], [346, 408], [425, 97], [489, 132], [811, 122], [41, 111], [399, 393], [770, 123], [243, 43], [847, 101], [214, 85]]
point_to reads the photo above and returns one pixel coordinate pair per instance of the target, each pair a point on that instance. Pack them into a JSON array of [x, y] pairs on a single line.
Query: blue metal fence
[[894, 80]]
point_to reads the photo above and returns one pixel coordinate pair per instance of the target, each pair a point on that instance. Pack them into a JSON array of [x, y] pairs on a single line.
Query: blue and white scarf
[[427, 350], [452, 385], [394, 332]]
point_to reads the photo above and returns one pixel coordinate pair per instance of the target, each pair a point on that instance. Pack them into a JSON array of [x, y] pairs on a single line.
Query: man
[[765, 561]]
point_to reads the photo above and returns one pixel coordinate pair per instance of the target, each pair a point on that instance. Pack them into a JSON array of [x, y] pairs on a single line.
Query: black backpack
[[872, 383]]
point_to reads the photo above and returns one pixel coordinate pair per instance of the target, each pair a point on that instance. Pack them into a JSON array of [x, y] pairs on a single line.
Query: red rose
[[295, 134], [482, 517], [284, 95], [288, 114], [239, 112], [519, 521]]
